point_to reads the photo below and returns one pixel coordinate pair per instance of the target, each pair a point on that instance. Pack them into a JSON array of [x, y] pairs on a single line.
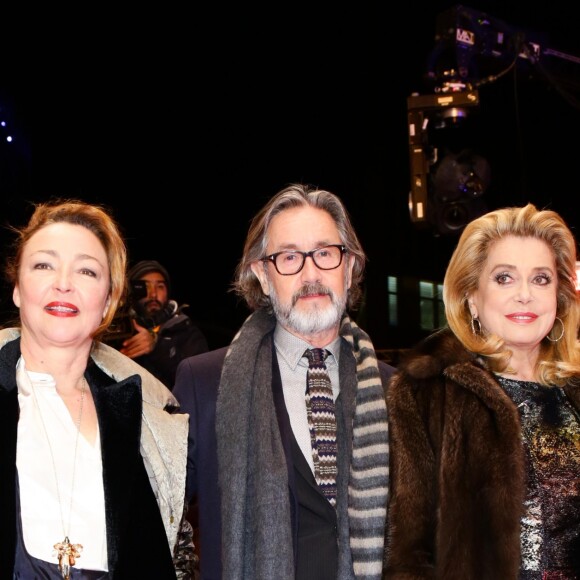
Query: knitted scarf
[[256, 523]]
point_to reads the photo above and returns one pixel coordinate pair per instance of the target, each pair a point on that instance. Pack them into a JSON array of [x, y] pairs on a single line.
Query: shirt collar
[[291, 348]]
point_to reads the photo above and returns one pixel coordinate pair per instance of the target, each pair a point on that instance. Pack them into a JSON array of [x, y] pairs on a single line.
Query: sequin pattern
[[550, 533]]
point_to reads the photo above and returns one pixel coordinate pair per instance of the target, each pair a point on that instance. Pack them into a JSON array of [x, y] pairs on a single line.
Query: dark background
[[184, 123]]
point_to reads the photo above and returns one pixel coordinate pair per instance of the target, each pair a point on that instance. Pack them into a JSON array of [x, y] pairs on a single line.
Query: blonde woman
[[485, 432]]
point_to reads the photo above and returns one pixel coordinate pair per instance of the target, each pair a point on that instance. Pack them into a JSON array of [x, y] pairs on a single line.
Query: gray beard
[[315, 321]]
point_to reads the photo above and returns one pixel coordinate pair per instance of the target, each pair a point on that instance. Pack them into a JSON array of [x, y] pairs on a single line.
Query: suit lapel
[[119, 407], [8, 431], [9, 412], [295, 459]]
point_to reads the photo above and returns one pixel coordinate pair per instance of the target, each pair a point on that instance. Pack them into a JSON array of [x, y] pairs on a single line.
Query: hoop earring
[[475, 331], [561, 334]]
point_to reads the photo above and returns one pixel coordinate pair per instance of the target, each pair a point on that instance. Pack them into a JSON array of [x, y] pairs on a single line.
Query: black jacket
[[178, 338], [136, 539]]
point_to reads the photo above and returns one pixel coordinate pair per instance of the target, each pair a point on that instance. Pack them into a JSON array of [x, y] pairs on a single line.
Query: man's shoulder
[[206, 361], [199, 373], [385, 370], [178, 320], [180, 324]]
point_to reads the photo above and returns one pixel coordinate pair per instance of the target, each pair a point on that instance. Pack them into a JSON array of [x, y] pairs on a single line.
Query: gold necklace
[[66, 552]]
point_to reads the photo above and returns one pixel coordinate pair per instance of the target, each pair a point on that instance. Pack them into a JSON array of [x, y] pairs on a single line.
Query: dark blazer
[[196, 389], [136, 540]]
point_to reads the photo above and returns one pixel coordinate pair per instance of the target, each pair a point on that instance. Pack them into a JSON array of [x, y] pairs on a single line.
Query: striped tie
[[322, 422]]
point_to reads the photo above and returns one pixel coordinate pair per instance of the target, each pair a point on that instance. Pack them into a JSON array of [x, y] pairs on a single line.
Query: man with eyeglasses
[[280, 496]]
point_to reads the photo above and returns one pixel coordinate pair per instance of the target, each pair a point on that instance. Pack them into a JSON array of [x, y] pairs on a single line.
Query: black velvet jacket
[[136, 540]]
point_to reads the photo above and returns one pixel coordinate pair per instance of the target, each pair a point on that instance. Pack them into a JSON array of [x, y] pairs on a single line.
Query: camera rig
[[471, 49]]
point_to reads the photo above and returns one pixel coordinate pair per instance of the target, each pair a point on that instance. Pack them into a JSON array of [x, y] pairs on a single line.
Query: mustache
[[152, 302], [308, 289]]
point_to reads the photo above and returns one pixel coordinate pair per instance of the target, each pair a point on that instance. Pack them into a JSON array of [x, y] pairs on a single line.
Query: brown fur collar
[[435, 354]]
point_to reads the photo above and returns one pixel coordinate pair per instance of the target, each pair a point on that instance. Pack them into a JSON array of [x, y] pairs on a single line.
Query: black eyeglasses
[[290, 262]]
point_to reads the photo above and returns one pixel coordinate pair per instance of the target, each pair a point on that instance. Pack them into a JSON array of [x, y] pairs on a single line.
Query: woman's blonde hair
[[97, 220], [559, 358]]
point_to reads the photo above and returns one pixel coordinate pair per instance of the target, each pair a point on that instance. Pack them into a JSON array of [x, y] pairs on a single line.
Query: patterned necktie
[[322, 422]]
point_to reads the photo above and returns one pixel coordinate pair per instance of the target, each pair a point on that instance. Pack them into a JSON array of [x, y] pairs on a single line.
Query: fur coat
[[457, 468]]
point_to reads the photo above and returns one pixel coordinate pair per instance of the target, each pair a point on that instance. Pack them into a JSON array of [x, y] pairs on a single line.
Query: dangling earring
[[475, 331], [561, 334]]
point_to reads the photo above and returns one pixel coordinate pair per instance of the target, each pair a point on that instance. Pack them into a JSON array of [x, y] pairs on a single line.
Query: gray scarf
[[253, 480]]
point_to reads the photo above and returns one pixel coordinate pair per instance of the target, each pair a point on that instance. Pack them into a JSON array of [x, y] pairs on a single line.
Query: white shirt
[[46, 519]]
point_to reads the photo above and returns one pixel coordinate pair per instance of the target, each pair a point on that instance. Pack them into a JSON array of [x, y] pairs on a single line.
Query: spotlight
[[443, 187]]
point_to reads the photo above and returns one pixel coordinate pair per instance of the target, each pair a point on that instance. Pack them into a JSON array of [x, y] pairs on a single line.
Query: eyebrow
[[294, 247], [514, 267], [54, 254]]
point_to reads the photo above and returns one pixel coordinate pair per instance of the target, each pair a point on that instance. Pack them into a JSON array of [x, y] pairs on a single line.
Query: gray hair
[[247, 285]]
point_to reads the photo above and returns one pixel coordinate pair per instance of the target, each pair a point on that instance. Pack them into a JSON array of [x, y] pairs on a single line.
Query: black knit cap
[[144, 267]]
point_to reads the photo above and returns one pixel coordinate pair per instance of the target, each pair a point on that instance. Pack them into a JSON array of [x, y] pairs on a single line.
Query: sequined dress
[[550, 533]]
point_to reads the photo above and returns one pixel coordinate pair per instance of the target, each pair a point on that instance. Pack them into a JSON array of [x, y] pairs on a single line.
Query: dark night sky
[[184, 125]]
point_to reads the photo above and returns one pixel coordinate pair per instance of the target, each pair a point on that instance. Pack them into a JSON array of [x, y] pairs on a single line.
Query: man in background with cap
[[164, 334]]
